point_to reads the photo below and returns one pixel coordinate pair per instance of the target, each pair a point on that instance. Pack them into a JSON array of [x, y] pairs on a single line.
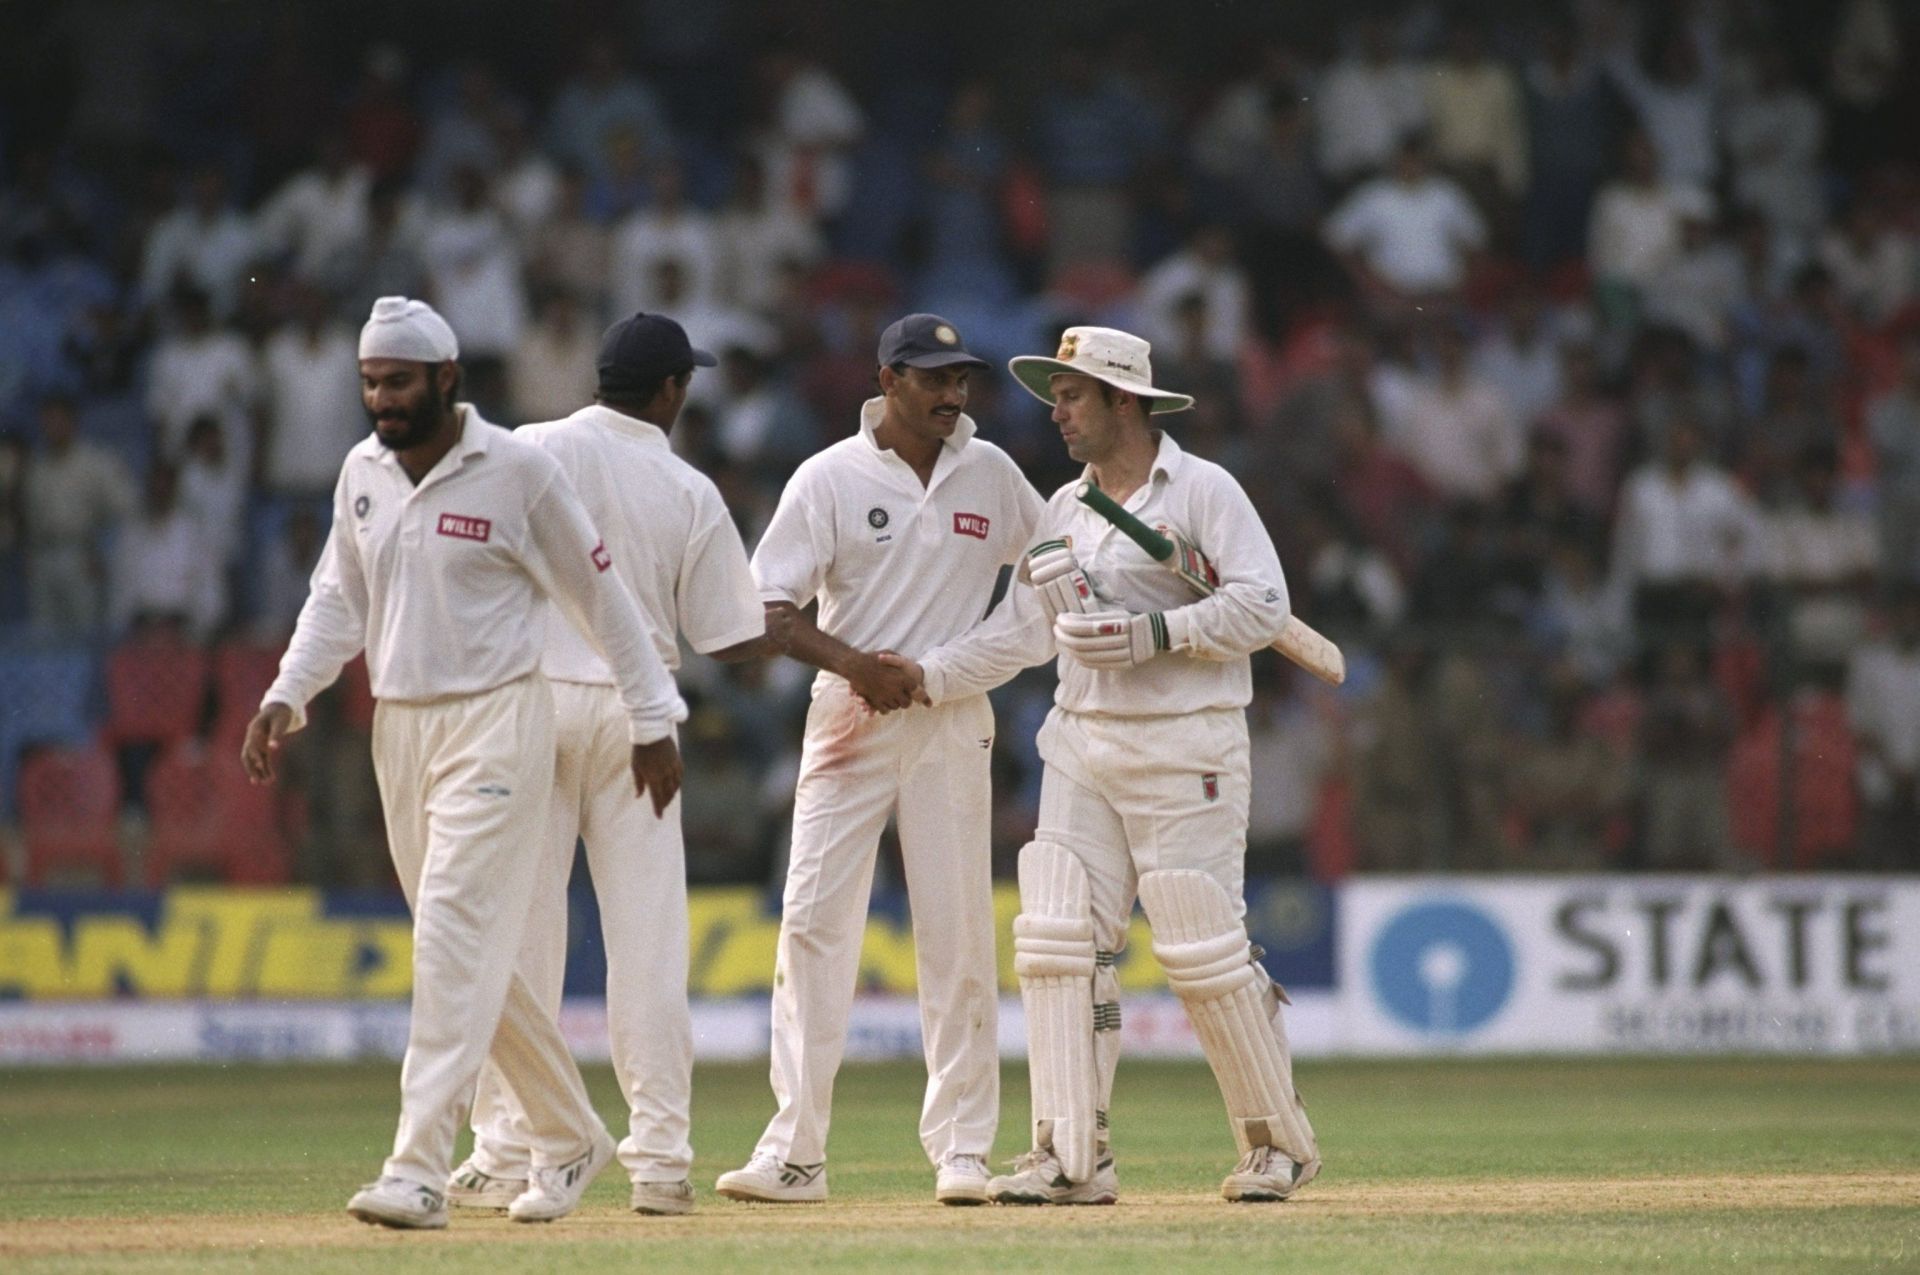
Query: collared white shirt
[[897, 566], [440, 582], [1202, 502], [673, 542]]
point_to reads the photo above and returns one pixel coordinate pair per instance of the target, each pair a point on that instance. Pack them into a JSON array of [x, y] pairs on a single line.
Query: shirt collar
[[476, 439], [632, 426], [874, 408], [1168, 460]]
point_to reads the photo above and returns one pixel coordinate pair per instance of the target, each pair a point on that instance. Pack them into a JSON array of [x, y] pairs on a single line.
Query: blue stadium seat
[[46, 697]]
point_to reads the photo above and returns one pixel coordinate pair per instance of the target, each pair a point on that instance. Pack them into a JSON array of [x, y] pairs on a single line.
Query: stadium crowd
[[1572, 357]]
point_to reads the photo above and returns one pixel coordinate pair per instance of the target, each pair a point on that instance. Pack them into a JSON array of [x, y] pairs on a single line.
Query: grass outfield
[[1675, 1165]]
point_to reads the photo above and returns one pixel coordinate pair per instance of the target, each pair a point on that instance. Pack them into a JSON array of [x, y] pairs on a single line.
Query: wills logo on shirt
[[601, 558], [461, 527], [970, 525]]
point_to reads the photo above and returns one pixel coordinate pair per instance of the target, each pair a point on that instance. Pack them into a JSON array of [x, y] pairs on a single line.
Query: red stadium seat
[[242, 672], [69, 813], [156, 690], [205, 813], [1826, 812]]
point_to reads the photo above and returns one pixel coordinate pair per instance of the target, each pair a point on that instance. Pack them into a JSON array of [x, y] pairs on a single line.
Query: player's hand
[[779, 628], [913, 670], [656, 772], [885, 687], [1055, 574], [1111, 639], [264, 736]]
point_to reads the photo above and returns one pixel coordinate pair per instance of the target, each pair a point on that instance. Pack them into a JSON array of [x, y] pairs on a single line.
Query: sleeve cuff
[[934, 680], [651, 728], [1179, 631]]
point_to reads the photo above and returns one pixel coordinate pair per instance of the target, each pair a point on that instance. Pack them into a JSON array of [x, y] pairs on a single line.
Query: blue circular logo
[[1444, 968]]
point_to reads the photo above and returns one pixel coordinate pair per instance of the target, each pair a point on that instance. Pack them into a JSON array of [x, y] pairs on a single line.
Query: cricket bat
[[1298, 641]]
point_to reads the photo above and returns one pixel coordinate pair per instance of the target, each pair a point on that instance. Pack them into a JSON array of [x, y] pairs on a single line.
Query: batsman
[[1145, 789]]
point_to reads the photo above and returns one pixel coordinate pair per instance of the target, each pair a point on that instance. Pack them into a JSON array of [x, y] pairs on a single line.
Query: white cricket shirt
[[897, 566], [1202, 502], [439, 583], [673, 542]]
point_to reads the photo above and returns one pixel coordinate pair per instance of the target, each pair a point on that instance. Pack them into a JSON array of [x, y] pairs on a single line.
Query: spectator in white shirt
[[1637, 220], [601, 101], [1521, 357], [1206, 268], [1883, 706], [200, 370], [669, 228], [320, 212], [164, 572], [1479, 126], [308, 373], [1893, 426], [205, 244], [1456, 429], [1411, 235], [1367, 105], [550, 374], [1872, 261], [212, 490], [570, 250], [1703, 285], [72, 493], [812, 131], [755, 235], [285, 569], [1822, 557], [526, 182], [1774, 135], [473, 267], [1675, 103]]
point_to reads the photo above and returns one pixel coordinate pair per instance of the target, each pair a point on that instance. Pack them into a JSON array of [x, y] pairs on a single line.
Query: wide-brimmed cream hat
[[1105, 354]]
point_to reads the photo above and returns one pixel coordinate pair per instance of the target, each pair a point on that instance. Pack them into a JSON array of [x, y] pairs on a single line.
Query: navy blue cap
[[924, 340], [639, 352]]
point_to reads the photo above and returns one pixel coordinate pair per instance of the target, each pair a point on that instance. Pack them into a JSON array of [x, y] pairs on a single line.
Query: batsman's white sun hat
[[1105, 354]]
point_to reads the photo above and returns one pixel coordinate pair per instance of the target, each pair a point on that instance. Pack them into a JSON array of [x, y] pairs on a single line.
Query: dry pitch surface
[[1670, 1165]]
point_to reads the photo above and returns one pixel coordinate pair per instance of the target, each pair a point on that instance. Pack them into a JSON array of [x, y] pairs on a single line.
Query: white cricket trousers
[[465, 783], [639, 866], [1129, 795], [929, 768]]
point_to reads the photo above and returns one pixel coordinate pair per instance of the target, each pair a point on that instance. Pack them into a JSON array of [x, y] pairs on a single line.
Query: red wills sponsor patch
[[1210, 784], [464, 528], [970, 525], [601, 558]]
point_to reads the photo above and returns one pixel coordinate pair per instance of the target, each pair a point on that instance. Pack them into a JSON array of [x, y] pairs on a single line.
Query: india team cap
[[401, 328], [925, 340], [644, 349], [1105, 354]]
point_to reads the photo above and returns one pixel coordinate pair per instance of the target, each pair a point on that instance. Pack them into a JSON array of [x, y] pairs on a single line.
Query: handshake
[[887, 681]]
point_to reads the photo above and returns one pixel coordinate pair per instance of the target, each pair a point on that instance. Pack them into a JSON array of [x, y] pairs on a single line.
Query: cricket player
[[901, 532], [1145, 789], [447, 533], [676, 549]]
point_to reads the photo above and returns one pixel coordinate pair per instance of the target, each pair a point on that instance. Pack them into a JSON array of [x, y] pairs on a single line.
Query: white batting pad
[[1234, 1008], [1053, 955]]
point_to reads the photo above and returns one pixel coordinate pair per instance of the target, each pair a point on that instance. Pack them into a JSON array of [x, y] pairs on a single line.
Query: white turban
[[410, 330]]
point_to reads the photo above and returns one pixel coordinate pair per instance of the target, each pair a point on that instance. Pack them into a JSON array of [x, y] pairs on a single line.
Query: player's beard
[[416, 425]]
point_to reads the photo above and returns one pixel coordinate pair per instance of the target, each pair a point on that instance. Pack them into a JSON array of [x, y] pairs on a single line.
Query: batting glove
[[1112, 639], [1056, 575]]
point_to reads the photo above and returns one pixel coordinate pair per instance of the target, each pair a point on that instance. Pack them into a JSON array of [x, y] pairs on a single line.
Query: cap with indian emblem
[[924, 340], [1105, 354]]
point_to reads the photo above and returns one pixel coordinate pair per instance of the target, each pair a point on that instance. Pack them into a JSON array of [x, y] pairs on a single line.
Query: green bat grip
[[1158, 547]]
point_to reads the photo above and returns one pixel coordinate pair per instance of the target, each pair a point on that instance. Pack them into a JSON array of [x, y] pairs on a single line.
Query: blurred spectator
[[1278, 200], [1570, 128], [285, 568], [753, 237], [1293, 741], [388, 262], [1411, 235], [1400, 792], [383, 131], [964, 174], [473, 268], [1793, 419], [1349, 589], [205, 244], [1822, 558], [1457, 429], [527, 183], [1636, 230], [1205, 268], [670, 228], [1380, 492], [1773, 136], [1685, 533], [551, 372], [570, 250], [1570, 793], [200, 370], [1479, 128], [1189, 355], [764, 425], [72, 493], [164, 572], [1702, 285], [321, 211], [213, 490], [1684, 740], [1893, 427], [1091, 147], [1540, 507], [1368, 103], [1872, 262], [602, 101], [1883, 707], [310, 390], [1865, 64], [1591, 426], [1577, 618], [1666, 383], [462, 133], [1673, 95], [811, 127], [1521, 356]]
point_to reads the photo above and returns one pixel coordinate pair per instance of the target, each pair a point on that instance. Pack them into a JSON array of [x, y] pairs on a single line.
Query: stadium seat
[[47, 697], [205, 814], [242, 672], [1826, 812], [156, 691], [69, 813]]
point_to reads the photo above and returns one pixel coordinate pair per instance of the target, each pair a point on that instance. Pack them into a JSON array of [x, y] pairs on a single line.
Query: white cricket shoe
[[1038, 1179], [663, 1199], [401, 1203], [961, 1179], [554, 1190], [471, 1187], [1265, 1175], [770, 1180]]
